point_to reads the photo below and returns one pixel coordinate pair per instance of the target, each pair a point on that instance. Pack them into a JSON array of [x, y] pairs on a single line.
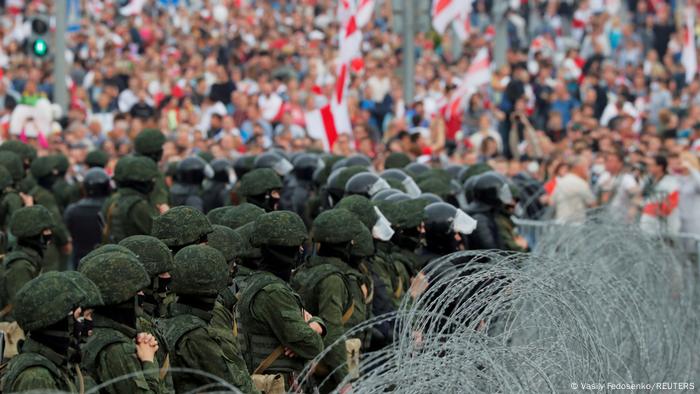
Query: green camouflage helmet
[[5, 178], [181, 226], [151, 252], [97, 158], [338, 181], [280, 228], [247, 250], [259, 181], [108, 248], [13, 163], [436, 186], [149, 141], [135, 169], [432, 173], [43, 166], [361, 207], [26, 152], [476, 169], [206, 156], [60, 163], [322, 173], [226, 241], [119, 276], [93, 298], [31, 221], [335, 226], [363, 243], [405, 214], [45, 300], [199, 270], [235, 216], [396, 160]]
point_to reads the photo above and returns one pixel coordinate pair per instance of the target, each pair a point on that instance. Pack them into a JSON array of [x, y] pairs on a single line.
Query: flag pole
[[409, 51], [60, 90]]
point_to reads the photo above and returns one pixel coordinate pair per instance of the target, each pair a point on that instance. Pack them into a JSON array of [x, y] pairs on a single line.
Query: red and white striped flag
[[444, 12], [326, 123], [350, 42], [479, 73], [689, 56], [365, 9]]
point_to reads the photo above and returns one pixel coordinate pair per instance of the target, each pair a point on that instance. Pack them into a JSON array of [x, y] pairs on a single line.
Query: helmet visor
[[378, 186], [283, 167], [463, 223], [411, 188], [208, 172], [505, 195], [382, 228]]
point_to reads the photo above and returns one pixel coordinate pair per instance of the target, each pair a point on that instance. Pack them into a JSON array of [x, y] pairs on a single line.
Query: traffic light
[[39, 37]]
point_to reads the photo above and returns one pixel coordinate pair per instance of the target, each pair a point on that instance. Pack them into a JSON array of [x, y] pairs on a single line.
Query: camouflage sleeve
[[10, 204], [197, 350], [119, 361], [159, 195], [332, 292], [36, 379], [505, 231], [222, 316], [142, 216], [281, 312], [19, 273]]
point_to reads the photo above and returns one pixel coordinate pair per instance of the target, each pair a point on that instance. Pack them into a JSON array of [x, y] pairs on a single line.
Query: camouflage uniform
[[64, 192], [44, 172], [97, 158], [249, 257], [270, 314], [149, 143], [256, 187], [24, 262], [110, 352], [128, 211], [329, 287], [199, 274], [10, 201], [39, 367]]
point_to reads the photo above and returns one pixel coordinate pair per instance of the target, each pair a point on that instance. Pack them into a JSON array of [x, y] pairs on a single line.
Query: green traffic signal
[[40, 47]]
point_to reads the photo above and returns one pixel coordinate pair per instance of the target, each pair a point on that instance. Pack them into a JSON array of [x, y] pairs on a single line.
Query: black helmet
[[454, 170], [365, 184], [416, 169], [342, 163], [243, 165], [191, 170], [397, 197], [406, 181], [274, 160], [222, 170], [492, 189], [97, 183], [442, 221], [430, 198], [359, 160], [305, 165], [384, 194]]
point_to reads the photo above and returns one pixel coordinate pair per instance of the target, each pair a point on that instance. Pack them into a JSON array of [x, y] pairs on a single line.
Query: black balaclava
[[204, 303], [280, 260], [63, 337], [124, 313], [408, 239], [141, 187], [48, 181], [152, 299], [442, 243], [38, 242], [339, 250], [265, 201]]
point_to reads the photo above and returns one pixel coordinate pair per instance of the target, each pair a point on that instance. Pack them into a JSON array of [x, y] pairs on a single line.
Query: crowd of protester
[[591, 106]]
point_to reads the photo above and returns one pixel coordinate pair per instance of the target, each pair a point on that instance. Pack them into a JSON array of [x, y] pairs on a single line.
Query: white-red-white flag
[[689, 56], [365, 9], [444, 12], [346, 8], [325, 124], [462, 25], [351, 40], [478, 74]]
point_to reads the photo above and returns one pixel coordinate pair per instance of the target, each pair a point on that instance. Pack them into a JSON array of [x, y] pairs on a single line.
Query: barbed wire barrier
[[597, 303]]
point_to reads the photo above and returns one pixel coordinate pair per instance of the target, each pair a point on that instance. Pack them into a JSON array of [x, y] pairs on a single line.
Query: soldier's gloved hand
[[146, 347]]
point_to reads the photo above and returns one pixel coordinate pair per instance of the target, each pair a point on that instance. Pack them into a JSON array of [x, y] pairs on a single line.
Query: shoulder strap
[[176, 327], [21, 363], [102, 338], [265, 364]]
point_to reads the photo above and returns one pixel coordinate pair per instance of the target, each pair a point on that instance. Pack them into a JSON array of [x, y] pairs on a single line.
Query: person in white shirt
[[618, 189], [485, 130], [573, 196]]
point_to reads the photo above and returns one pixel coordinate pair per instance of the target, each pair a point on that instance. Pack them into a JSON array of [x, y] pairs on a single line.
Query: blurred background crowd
[[593, 105]]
